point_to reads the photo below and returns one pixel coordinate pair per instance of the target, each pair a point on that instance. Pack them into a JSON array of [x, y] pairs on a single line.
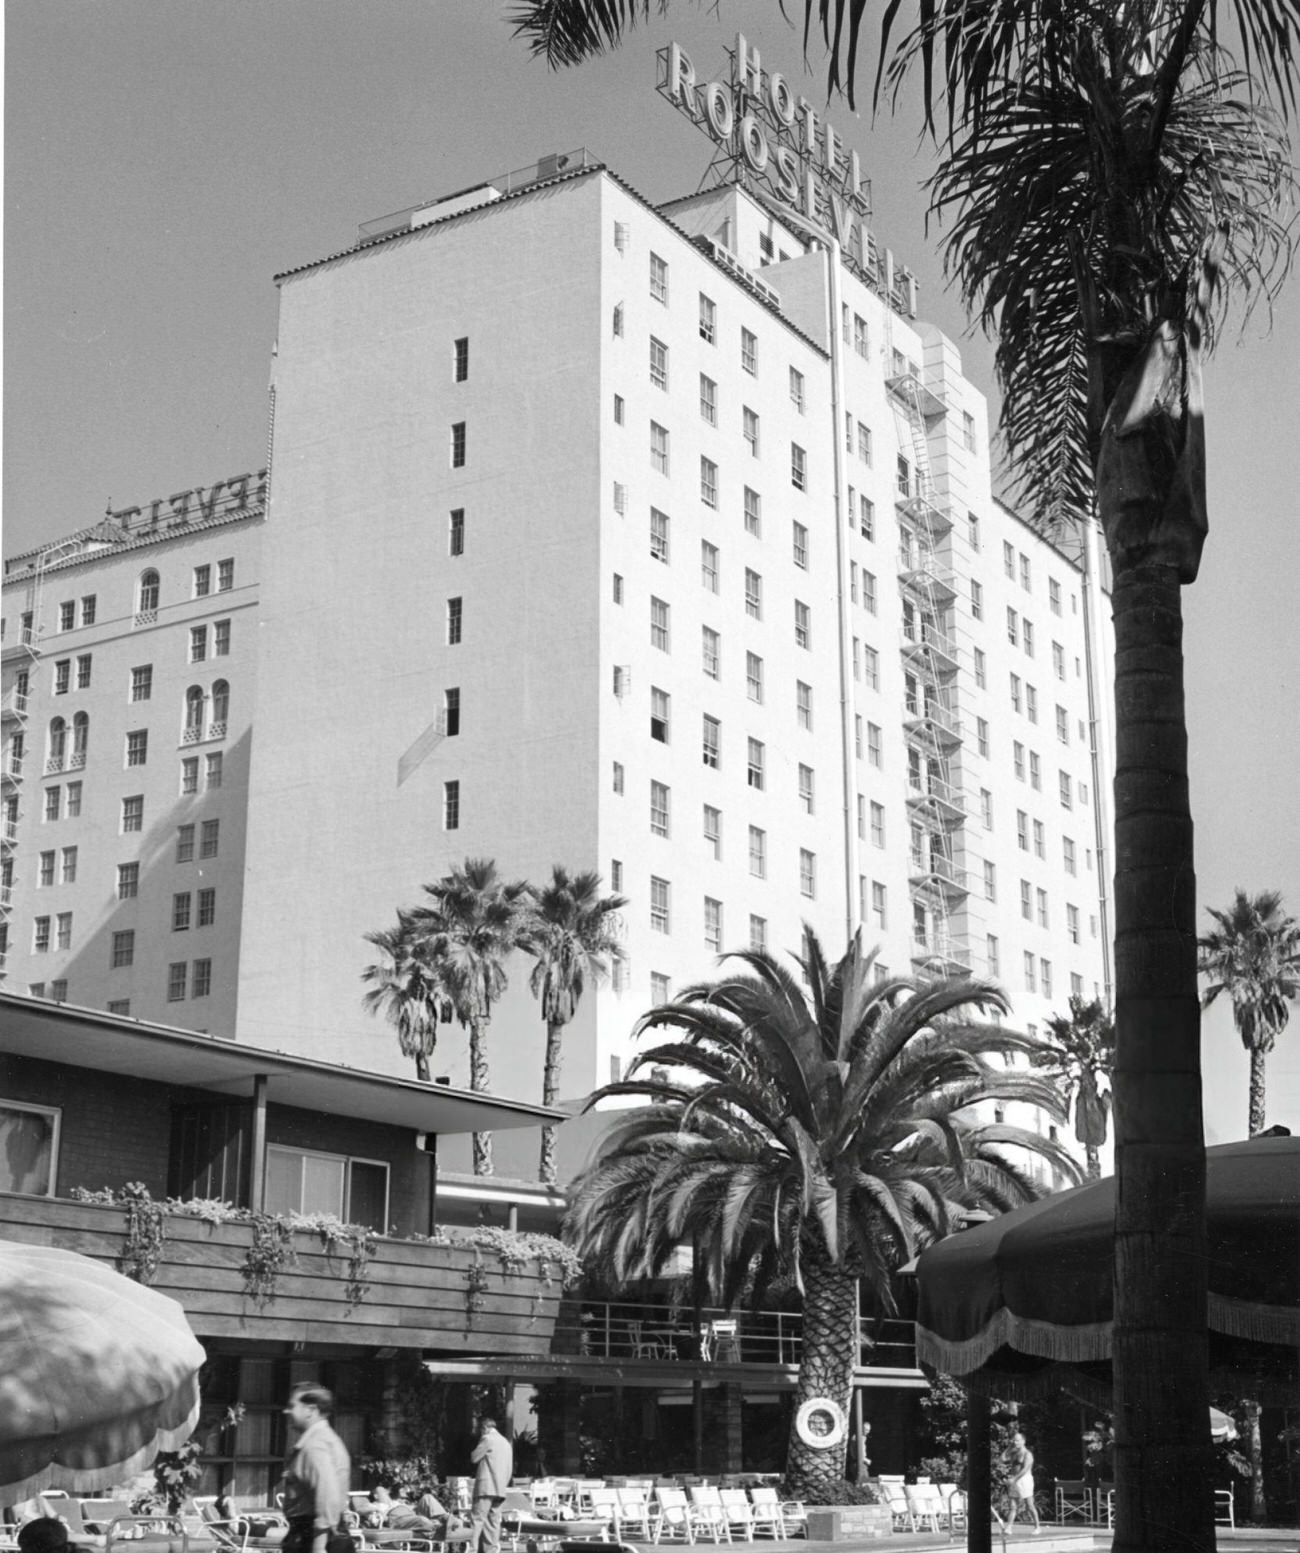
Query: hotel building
[[623, 537]]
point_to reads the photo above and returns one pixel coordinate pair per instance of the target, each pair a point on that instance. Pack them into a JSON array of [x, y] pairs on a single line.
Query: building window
[[753, 594], [1024, 572], [800, 546], [798, 467], [659, 625], [618, 588], [616, 875], [45, 874], [451, 806], [52, 798], [1035, 772], [189, 775], [871, 666], [659, 447], [866, 515], [659, 704], [864, 443], [754, 677], [62, 676], [660, 912], [1040, 840], [797, 389], [712, 644], [68, 873], [1068, 855], [803, 705], [709, 566], [802, 625], [874, 745], [757, 852], [1013, 627], [202, 581], [1054, 595], [221, 639], [123, 952], [1031, 984], [460, 360], [879, 904], [861, 339], [177, 977], [181, 912], [1026, 901], [29, 1135], [658, 535], [142, 682], [1072, 923], [458, 445], [1045, 977], [1015, 692], [708, 319], [83, 671], [749, 352], [968, 430], [128, 881], [708, 400], [1022, 830], [756, 765], [753, 513], [708, 482], [806, 780], [201, 983], [185, 843], [207, 908], [868, 591], [712, 742], [1065, 788], [455, 620], [456, 531], [659, 279], [209, 838], [757, 934], [1062, 725], [713, 831], [137, 747], [74, 801], [807, 873], [990, 881], [354, 1190], [225, 575], [40, 935], [617, 323], [618, 777], [750, 429], [133, 814], [1009, 560], [658, 363], [713, 924], [451, 711], [877, 824]]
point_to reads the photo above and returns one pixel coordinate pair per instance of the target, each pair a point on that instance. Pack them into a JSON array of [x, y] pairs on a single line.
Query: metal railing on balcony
[[621, 1330]]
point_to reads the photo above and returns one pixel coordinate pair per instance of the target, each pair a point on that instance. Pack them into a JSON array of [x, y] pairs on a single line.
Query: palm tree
[[1103, 165], [405, 989], [1081, 1049], [573, 933], [825, 1134], [1254, 956], [473, 923]]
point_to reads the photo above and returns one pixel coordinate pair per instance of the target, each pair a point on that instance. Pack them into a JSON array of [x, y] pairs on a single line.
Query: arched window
[[194, 706], [80, 738], [220, 708], [148, 593], [58, 745]]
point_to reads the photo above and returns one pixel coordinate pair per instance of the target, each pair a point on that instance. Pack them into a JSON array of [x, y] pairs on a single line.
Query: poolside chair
[[954, 1500], [891, 1494], [674, 1522], [583, 1489], [794, 1516], [1072, 1501], [708, 1511], [924, 1506], [740, 1513], [765, 1509], [635, 1515], [1225, 1509]]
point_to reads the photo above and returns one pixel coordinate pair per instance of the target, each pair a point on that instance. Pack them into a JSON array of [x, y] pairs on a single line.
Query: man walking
[[494, 1463], [317, 1472]]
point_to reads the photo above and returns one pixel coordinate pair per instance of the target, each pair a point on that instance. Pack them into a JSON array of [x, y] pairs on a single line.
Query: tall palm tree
[[573, 934], [473, 923], [1081, 1050], [405, 988], [1254, 956], [825, 1134]]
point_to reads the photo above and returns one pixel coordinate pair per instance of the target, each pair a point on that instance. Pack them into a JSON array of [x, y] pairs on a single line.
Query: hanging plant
[[476, 1285], [142, 1246], [355, 1240], [270, 1252]]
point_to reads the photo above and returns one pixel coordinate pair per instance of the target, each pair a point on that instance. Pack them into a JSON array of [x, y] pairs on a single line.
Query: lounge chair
[[1073, 1501], [765, 1511], [740, 1513], [708, 1512], [674, 1521]]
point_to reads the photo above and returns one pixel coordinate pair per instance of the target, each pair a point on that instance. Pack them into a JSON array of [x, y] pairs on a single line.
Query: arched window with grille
[[80, 738], [58, 748], [147, 603], [220, 709], [195, 702]]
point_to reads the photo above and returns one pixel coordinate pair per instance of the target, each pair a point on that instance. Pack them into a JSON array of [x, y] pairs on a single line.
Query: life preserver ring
[[820, 1423]]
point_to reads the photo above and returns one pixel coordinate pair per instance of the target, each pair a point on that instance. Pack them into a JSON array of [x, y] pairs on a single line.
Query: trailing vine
[[270, 1252], [358, 1242], [476, 1286], [143, 1245]]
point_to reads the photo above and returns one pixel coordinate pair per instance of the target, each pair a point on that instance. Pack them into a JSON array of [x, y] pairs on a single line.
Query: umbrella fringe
[[1256, 1323], [79, 1480], [1043, 1339]]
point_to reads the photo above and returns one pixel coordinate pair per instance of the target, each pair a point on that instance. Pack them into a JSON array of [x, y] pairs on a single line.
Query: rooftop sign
[[775, 140], [222, 499]]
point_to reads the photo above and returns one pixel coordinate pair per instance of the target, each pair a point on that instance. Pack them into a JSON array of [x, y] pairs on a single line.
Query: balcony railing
[[53, 764], [915, 395], [145, 617], [216, 730]]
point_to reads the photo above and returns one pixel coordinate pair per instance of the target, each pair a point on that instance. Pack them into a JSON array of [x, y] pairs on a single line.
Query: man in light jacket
[[317, 1474], [494, 1464]]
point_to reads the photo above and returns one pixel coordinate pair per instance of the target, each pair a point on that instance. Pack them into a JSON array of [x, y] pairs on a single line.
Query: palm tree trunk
[[478, 1081], [1257, 1060], [1163, 1471], [550, 1088], [830, 1351]]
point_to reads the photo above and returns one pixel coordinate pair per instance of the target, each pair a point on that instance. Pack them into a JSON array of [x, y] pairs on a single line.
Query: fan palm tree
[[1081, 1050], [573, 934], [1253, 955], [406, 990], [473, 923], [826, 1135]]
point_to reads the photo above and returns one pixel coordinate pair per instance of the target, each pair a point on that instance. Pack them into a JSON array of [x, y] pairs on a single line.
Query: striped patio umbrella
[[97, 1373]]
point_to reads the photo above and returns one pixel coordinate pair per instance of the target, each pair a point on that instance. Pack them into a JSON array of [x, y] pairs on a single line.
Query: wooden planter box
[[849, 1522], [419, 1295]]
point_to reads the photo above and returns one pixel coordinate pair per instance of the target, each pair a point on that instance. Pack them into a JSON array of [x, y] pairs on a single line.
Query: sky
[[164, 159]]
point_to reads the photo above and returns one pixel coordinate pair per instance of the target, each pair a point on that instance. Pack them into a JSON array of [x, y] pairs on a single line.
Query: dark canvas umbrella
[[1022, 1304], [97, 1373]]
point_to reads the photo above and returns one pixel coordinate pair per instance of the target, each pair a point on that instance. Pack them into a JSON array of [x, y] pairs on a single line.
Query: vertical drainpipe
[[257, 1170], [1091, 628]]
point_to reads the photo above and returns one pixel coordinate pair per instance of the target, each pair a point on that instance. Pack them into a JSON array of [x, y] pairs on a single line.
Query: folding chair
[[1225, 1510], [1073, 1500]]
